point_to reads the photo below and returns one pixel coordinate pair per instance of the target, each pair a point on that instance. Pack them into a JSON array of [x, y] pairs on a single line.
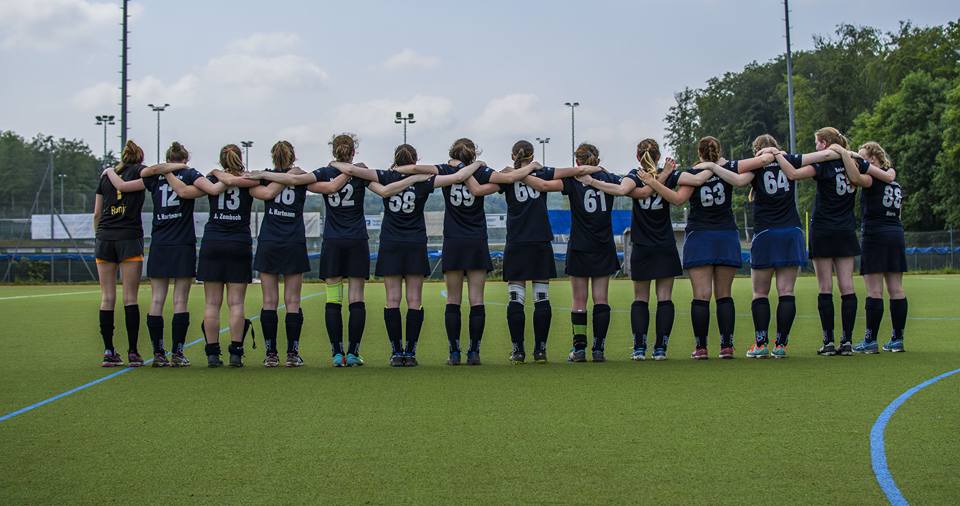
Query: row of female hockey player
[[711, 252]]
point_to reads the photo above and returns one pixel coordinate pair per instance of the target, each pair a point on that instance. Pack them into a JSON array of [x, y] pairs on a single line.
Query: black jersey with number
[[464, 217], [836, 196], [283, 215], [590, 225], [120, 217], [343, 216], [172, 216], [774, 194], [403, 213], [711, 204], [650, 222], [527, 219], [880, 207], [229, 215]]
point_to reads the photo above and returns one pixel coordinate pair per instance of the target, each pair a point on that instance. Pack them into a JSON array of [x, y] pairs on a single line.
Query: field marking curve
[[112, 375], [878, 455]]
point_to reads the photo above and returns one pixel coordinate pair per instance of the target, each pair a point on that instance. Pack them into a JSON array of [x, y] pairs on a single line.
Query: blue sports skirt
[[778, 247], [712, 247]]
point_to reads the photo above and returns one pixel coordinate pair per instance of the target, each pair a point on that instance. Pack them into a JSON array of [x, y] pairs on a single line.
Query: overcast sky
[[495, 71]]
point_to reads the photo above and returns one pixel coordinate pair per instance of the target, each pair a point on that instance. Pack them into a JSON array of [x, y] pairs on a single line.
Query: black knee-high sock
[[394, 324], [873, 310], [333, 317], [786, 313], [542, 314], [898, 316], [155, 328], [666, 313], [760, 307], [825, 308], [639, 322], [478, 319], [269, 321], [579, 322], [848, 316], [131, 317], [179, 327], [726, 320], [414, 324], [106, 328], [700, 316], [451, 320], [601, 322], [293, 322], [355, 325], [515, 322]]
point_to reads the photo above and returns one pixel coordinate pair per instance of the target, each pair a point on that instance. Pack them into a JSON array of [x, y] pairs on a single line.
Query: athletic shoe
[[726, 352], [867, 347], [134, 359], [577, 355], [894, 346], [598, 356], [410, 360], [338, 360], [111, 359], [454, 358], [518, 358], [779, 351], [473, 358], [236, 360], [271, 360], [293, 359], [396, 360], [700, 354], [540, 357], [827, 350], [845, 349], [659, 354], [354, 360], [758, 351], [160, 360], [639, 354], [178, 360], [214, 361]]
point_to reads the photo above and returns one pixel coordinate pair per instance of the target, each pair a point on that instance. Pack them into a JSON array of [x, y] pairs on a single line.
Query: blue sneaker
[[454, 358], [473, 358], [894, 345], [639, 354], [866, 347], [659, 354], [338, 360], [354, 360]]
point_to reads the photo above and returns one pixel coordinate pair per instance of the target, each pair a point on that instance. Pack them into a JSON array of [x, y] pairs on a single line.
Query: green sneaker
[[758, 351], [779, 351]]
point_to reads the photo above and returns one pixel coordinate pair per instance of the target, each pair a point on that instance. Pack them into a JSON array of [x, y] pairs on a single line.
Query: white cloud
[[515, 114], [182, 92], [408, 59], [266, 43], [263, 73], [374, 117], [52, 24]]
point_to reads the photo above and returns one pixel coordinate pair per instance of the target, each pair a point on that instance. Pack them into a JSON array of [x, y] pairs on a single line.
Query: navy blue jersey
[[120, 218], [343, 217], [711, 204], [283, 215], [590, 225], [836, 196], [172, 217], [880, 207], [403, 213], [650, 222], [229, 215], [464, 217], [527, 219], [774, 194]]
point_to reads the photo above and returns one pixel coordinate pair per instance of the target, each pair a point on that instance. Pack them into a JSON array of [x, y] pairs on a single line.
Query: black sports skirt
[[528, 261], [592, 264], [345, 258], [225, 262], [274, 257], [654, 262], [833, 244], [883, 252], [397, 258], [466, 255], [172, 261]]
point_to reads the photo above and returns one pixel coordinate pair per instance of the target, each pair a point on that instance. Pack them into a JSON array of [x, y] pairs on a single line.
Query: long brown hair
[[831, 136], [463, 150], [522, 153], [875, 150], [283, 155], [764, 141], [648, 153], [176, 153], [709, 149], [131, 155], [344, 147], [231, 159], [587, 154], [405, 154]]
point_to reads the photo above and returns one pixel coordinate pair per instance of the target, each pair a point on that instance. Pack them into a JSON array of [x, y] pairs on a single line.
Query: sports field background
[[723, 432]]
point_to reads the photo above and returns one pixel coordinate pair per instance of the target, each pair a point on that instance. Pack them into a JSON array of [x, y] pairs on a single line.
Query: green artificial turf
[[720, 432]]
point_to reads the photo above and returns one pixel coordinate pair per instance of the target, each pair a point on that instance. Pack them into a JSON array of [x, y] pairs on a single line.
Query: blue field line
[[878, 455], [110, 376]]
